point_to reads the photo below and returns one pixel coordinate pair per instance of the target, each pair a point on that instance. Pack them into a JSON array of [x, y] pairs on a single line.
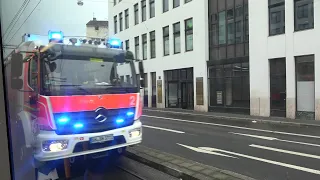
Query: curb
[[179, 172], [238, 118]]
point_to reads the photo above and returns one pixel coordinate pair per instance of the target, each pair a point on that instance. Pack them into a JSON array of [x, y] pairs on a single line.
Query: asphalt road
[[261, 151], [127, 169]]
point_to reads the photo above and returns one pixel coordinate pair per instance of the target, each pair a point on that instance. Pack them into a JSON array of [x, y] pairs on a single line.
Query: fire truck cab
[[71, 101]]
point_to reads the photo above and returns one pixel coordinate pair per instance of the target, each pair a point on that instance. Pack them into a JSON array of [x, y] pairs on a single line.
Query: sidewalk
[[179, 167], [237, 117]]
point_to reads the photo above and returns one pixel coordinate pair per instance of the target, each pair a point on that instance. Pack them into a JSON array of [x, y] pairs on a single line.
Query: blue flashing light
[[114, 43], [130, 113], [119, 121], [78, 125], [55, 35], [63, 120]]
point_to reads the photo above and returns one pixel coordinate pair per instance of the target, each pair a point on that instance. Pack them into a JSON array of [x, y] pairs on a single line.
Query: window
[[276, 17], [136, 44], [246, 22], [144, 46], [176, 3], [230, 26], [186, 1], [222, 27], [114, 2], [239, 24], [128, 79], [96, 28], [166, 50], [153, 44], [115, 24], [152, 8], [126, 18], [121, 22], [127, 45], [165, 5], [136, 14], [176, 38], [189, 34], [304, 15], [143, 10], [33, 71], [229, 85]]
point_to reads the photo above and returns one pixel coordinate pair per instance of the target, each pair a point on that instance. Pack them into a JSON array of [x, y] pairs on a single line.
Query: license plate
[[101, 139]]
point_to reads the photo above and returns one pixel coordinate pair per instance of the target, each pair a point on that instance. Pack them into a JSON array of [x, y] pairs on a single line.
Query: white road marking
[[207, 152], [285, 151], [255, 136], [236, 127], [272, 139], [164, 129], [300, 168], [254, 120]]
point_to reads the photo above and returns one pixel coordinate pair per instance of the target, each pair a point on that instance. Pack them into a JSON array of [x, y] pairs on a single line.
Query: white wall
[[102, 33], [196, 58], [264, 47]]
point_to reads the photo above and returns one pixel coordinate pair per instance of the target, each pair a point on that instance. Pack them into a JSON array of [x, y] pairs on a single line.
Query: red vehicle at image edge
[[70, 100]]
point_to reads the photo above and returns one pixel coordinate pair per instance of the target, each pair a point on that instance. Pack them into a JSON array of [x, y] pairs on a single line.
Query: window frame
[[166, 35], [127, 42], [152, 15], [120, 22], [174, 5], [144, 38], [152, 40], [115, 19], [137, 47], [271, 7], [176, 33], [143, 10], [31, 72], [188, 30], [295, 14], [165, 8], [136, 13], [126, 19]]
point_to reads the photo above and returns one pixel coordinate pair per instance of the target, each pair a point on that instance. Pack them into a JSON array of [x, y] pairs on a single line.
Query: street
[[260, 151]]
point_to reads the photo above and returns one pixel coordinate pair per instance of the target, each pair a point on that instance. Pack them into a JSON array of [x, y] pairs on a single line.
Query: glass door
[[173, 95]]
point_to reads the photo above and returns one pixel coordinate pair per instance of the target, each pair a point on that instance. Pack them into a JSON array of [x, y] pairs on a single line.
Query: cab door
[[31, 86]]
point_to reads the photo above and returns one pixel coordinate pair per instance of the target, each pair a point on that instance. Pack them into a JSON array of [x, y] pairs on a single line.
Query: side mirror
[[53, 66], [16, 84], [16, 65]]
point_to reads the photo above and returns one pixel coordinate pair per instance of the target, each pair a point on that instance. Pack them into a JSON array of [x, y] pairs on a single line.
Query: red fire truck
[[70, 99]]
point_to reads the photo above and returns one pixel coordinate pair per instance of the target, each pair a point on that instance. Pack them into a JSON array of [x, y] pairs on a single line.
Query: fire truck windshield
[[78, 76]]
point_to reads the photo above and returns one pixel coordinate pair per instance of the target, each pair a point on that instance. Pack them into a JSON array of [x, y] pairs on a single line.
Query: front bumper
[[73, 140]]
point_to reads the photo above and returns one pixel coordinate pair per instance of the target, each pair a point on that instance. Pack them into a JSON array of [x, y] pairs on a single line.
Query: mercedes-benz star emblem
[[101, 116], [99, 96]]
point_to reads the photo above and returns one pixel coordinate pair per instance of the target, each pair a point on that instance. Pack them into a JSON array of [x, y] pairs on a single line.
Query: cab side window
[[33, 74]]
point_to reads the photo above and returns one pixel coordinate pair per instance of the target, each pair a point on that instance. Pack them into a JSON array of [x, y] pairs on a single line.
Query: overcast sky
[[64, 15]]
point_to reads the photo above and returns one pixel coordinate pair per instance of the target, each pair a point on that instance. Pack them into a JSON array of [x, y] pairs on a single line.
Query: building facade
[[171, 37], [284, 56], [248, 56], [228, 64], [97, 30]]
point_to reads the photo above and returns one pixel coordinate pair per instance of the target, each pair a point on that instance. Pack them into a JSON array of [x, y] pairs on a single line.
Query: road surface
[[261, 151]]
